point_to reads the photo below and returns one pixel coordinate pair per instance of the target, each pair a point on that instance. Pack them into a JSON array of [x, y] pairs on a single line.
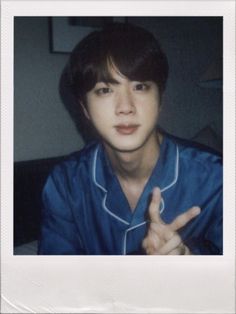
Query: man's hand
[[163, 239]]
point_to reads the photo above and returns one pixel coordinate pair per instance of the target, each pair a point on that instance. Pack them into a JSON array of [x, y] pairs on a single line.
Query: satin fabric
[[86, 212]]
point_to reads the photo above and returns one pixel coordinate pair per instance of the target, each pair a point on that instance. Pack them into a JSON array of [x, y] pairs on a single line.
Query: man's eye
[[141, 87], [103, 91]]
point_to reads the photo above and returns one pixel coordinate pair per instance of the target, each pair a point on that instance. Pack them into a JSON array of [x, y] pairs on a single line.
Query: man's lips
[[126, 129]]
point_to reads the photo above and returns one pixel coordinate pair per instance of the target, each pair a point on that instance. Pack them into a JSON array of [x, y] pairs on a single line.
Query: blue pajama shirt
[[86, 212]]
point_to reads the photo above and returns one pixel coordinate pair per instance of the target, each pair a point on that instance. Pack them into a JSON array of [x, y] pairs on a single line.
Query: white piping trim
[[162, 200], [125, 236], [104, 190], [139, 225], [176, 171], [105, 196], [94, 172], [163, 206]]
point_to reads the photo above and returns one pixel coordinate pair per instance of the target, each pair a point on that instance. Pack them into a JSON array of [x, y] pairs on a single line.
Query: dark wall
[[43, 127]]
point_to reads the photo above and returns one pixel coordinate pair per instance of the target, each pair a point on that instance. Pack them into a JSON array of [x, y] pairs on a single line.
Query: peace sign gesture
[[161, 238]]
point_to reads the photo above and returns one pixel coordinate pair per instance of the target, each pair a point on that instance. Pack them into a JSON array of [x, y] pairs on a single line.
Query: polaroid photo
[[145, 100]]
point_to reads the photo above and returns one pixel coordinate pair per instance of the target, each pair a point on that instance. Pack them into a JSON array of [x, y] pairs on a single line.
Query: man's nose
[[125, 103]]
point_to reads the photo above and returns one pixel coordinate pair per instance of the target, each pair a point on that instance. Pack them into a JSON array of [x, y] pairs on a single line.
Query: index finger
[[181, 220], [154, 207]]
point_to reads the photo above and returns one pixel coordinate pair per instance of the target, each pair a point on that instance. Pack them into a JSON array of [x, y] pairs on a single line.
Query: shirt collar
[[164, 175]]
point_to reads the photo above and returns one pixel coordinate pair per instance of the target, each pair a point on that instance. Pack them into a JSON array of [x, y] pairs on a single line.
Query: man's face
[[124, 112]]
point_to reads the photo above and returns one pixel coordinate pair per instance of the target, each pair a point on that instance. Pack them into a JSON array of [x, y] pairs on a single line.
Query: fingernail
[[196, 210], [156, 190]]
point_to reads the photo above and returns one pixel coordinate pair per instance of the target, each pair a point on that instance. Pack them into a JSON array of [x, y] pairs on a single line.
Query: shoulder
[[194, 157], [78, 158], [67, 179], [75, 164], [193, 150]]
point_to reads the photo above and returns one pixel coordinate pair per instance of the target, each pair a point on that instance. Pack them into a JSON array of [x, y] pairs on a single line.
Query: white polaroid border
[[117, 284]]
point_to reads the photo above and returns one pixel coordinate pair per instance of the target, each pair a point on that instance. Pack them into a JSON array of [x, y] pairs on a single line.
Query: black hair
[[133, 50]]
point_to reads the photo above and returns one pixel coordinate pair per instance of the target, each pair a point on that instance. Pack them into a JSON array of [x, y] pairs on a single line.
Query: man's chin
[[123, 148]]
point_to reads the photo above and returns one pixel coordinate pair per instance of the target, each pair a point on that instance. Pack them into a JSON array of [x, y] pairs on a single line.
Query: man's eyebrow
[[109, 81]]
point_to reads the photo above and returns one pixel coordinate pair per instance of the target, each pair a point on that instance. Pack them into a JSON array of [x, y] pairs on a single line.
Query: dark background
[[43, 129]]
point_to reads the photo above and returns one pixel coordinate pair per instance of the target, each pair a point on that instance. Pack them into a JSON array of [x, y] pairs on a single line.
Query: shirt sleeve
[[59, 233], [214, 232], [205, 235], [214, 235]]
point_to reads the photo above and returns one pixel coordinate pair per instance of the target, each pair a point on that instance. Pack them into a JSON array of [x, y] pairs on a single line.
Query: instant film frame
[[83, 284], [183, 38]]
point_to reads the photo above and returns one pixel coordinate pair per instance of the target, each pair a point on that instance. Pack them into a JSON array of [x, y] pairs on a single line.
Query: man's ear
[[86, 113]]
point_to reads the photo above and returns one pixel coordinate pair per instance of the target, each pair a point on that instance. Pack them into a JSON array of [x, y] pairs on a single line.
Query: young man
[[135, 190]]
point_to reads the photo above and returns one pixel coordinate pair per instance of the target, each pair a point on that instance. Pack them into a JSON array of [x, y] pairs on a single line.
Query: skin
[[125, 113], [161, 238], [125, 103]]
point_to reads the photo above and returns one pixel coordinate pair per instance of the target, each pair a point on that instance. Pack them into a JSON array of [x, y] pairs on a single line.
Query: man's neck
[[133, 169], [136, 166]]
